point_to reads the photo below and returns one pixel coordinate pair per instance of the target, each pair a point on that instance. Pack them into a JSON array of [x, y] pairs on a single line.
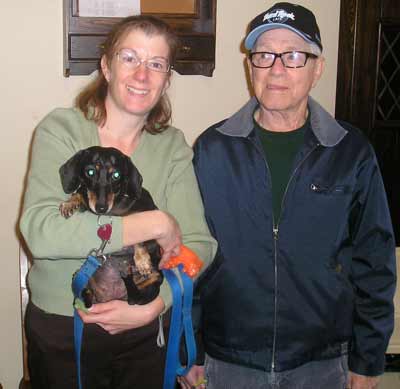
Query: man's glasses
[[290, 59], [131, 60]]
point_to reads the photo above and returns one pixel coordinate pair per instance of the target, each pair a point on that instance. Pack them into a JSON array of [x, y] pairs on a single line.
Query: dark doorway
[[368, 85]]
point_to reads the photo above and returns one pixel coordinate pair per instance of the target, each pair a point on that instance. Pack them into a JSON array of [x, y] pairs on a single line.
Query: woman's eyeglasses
[[131, 60]]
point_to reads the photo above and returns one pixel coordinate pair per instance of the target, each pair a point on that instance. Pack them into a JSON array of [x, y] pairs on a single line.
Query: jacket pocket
[[320, 188], [342, 310]]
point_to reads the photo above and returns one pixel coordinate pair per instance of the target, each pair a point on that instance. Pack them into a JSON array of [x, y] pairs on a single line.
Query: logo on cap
[[278, 16]]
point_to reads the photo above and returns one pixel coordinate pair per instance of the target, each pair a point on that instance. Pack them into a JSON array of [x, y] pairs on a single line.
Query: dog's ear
[[133, 179], [69, 172]]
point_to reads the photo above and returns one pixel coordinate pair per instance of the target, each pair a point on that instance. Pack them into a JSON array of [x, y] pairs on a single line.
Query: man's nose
[[278, 65]]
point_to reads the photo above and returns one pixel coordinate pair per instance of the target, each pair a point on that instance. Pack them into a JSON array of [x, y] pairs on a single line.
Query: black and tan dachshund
[[106, 182]]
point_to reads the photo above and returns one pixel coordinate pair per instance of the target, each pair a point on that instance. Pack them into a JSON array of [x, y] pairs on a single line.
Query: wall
[[33, 84]]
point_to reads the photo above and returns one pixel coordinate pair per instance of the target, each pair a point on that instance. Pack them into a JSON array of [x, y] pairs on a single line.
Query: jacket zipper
[[275, 234], [275, 231]]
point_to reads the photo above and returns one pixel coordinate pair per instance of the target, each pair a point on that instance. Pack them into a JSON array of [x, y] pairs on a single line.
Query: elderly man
[[301, 290]]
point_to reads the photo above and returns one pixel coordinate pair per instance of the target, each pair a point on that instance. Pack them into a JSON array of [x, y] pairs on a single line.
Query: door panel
[[368, 86], [368, 96]]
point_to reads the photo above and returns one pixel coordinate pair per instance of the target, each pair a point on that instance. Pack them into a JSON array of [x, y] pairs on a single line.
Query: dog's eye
[[90, 172], [116, 175]]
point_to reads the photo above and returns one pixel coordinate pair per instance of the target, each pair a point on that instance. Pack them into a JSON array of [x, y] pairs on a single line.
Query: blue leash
[[181, 320], [181, 323], [79, 282]]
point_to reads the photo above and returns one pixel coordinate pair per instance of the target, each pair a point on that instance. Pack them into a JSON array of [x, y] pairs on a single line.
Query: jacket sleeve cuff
[[359, 366], [200, 352]]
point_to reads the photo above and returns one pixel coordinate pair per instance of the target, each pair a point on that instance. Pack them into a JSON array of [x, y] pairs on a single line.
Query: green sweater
[[59, 246]]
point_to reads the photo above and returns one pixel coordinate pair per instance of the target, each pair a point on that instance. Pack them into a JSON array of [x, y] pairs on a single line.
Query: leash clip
[[102, 258]]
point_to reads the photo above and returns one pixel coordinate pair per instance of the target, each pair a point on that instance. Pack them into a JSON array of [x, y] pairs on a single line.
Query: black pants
[[131, 360]]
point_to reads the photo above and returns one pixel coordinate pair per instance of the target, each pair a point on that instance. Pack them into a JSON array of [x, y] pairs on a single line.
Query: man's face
[[284, 89]]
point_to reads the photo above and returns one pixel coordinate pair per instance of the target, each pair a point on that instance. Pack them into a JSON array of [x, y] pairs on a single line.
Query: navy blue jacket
[[315, 284]]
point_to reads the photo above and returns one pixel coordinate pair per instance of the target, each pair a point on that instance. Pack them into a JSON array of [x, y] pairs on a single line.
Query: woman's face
[[136, 90]]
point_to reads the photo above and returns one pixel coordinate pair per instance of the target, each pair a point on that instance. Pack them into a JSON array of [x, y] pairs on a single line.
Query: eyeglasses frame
[[145, 61], [279, 55]]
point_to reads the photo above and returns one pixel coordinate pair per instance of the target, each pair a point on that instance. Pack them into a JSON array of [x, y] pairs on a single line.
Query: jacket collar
[[326, 129]]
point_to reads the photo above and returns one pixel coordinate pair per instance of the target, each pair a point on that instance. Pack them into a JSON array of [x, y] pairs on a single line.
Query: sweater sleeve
[[48, 235], [185, 204]]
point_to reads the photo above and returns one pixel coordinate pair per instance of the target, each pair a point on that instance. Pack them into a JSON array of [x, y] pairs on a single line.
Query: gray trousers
[[327, 374]]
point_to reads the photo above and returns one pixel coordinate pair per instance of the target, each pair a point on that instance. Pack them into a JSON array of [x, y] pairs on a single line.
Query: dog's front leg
[[142, 260], [67, 208]]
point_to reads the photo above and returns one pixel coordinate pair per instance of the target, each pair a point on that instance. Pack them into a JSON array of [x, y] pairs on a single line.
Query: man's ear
[[318, 70], [105, 68], [250, 68]]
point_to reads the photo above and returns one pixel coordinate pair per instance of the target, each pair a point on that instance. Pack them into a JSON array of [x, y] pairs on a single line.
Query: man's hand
[[356, 381], [193, 379]]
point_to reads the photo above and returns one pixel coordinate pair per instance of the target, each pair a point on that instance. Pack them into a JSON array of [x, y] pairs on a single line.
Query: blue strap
[[78, 333], [79, 282], [175, 330], [187, 324], [82, 276], [181, 322]]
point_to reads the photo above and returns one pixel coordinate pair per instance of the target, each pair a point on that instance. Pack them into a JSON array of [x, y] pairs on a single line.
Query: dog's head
[[103, 175]]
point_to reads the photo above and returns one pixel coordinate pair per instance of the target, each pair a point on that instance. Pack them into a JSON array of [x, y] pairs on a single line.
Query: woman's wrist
[[142, 226], [155, 308], [160, 221]]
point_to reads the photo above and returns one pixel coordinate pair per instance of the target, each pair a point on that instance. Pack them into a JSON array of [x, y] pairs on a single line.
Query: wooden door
[[368, 84]]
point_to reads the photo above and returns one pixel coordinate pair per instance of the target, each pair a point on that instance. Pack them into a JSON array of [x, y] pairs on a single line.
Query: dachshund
[[104, 181]]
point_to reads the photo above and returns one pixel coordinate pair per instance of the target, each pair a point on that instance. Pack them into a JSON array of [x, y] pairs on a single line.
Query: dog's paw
[[67, 208], [142, 260]]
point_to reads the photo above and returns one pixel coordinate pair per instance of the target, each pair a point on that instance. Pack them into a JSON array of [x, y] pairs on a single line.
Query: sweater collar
[[326, 129]]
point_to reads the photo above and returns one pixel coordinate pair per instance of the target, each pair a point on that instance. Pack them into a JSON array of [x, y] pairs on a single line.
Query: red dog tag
[[104, 232]]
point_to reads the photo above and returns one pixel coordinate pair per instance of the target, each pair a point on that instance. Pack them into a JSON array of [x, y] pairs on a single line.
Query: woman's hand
[[118, 316], [157, 225], [170, 238]]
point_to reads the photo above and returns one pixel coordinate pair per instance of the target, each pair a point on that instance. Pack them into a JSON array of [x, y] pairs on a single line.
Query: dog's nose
[[101, 208]]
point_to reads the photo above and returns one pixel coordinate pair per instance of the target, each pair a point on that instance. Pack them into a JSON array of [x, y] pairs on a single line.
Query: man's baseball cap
[[285, 15]]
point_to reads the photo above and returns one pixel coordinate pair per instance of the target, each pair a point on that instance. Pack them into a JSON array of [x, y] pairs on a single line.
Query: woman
[[124, 107]]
